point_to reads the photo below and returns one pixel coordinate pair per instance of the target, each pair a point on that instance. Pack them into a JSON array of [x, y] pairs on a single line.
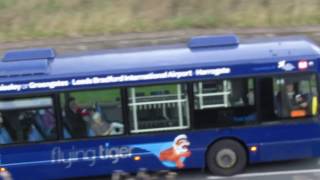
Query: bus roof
[[180, 57], [263, 56]]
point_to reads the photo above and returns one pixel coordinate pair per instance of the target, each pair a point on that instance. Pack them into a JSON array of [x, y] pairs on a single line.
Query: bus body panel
[[104, 156]]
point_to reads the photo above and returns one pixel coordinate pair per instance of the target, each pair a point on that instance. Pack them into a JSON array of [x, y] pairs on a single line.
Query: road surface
[[287, 170], [308, 169]]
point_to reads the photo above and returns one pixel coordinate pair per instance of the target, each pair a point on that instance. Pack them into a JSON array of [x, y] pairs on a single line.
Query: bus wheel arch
[[234, 149]]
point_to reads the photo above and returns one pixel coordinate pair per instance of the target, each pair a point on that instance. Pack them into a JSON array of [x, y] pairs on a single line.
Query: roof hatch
[[213, 41], [26, 62], [29, 54]]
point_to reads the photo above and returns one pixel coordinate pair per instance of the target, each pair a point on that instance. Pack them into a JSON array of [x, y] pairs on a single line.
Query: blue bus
[[212, 103]]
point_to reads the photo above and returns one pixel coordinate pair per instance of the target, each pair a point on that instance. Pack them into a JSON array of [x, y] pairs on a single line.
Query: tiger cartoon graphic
[[178, 152]]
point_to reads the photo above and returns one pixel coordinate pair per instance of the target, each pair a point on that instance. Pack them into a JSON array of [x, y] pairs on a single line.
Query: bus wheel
[[226, 158]]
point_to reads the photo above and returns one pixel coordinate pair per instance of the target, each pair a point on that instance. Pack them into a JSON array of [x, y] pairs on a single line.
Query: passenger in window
[[250, 97], [290, 92], [301, 101], [11, 121], [100, 126], [26, 119], [1, 121], [300, 107], [75, 114], [296, 99], [297, 103], [103, 128], [4, 136], [19, 124], [48, 122]]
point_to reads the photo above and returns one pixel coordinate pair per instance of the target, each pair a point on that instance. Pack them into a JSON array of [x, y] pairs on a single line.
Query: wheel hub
[[226, 158]]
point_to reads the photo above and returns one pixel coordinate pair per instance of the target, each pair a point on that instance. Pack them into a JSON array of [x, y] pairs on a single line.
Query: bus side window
[[158, 108], [21, 122], [92, 113], [295, 96], [224, 102]]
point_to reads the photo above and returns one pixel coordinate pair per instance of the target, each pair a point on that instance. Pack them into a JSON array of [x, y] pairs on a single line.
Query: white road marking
[[266, 174]]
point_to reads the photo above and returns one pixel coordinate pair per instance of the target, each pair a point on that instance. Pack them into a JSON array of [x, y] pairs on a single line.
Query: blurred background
[[84, 24]]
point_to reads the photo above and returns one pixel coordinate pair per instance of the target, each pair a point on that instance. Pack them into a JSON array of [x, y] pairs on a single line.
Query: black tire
[[226, 158]]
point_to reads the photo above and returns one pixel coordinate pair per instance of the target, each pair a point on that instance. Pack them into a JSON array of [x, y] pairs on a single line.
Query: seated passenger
[[295, 100], [288, 103], [13, 125], [250, 97], [46, 121], [102, 128], [27, 120], [4, 135], [301, 101], [74, 115], [299, 107], [34, 134], [99, 126]]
